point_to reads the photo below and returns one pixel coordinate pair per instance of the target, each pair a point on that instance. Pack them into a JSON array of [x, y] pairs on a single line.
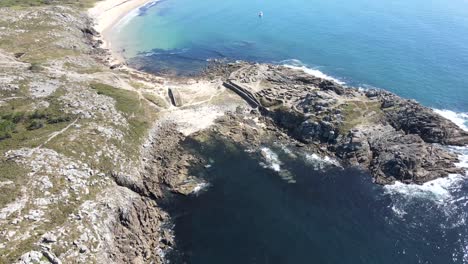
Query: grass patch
[[83, 69], [156, 100], [10, 171], [138, 112], [32, 3], [127, 102], [6, 128], [358, 112], [36, 67], [22, 127], [11, 255]]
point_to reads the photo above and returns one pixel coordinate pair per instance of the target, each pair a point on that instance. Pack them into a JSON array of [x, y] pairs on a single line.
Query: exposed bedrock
[[392, 137]]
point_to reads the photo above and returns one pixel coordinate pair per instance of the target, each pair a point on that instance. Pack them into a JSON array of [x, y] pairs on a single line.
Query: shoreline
[[105, 15]]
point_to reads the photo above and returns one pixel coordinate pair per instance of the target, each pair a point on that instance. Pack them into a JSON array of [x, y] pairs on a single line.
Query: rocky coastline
[[123, 131], [394, 138]]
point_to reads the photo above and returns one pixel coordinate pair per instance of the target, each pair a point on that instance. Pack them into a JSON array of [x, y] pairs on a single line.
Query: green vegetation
[[156, 100], [10, 171], [136, 111], [22, 127], [288, 118], [29, 3], [6, 128], [83, 69], [35, 67], [127, 102], [359, 112], [35, 44]]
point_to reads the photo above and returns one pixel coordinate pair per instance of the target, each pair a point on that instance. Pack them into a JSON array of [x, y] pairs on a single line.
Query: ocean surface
[[296, 207], [415, 48], [293, 207]]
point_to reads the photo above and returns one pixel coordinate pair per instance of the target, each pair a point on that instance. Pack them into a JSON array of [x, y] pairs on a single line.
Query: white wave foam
[[298, 65], [126, 19], [273, 162], [320, 163], [398, 211], [463, 156], [131, 15], [288, 151], [200, 187], [271, 159], [460, 119], [438, 190], [443, 193]]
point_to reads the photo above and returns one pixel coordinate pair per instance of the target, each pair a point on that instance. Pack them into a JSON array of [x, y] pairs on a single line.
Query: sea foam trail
[[298, 65]]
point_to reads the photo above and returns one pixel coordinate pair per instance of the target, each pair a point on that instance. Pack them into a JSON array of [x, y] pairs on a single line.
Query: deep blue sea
[[287, 206], [249, 213], [416, 48]]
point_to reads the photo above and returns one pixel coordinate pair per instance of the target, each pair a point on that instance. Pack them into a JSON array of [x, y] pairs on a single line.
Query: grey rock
[[390, 136]]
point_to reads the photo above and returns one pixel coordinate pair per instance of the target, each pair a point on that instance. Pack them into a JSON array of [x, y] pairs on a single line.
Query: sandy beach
[[108, 13]]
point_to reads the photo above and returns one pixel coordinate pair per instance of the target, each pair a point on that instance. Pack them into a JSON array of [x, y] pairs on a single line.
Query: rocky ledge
[[394, 138]]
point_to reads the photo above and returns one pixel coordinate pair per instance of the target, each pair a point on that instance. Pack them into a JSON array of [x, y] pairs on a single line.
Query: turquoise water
[[249, 214], [415, 48]]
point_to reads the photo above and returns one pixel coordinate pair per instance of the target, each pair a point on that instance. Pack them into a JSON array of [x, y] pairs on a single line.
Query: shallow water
[[415, 48], [252, 213], [289, 207]]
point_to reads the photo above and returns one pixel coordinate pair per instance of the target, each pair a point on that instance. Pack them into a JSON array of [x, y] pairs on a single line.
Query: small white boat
[[260, 14]]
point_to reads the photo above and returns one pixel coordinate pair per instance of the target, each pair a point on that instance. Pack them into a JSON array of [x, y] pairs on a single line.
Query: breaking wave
[[445, 198], [320, 163], [271, 159], [460, 119], [297, 64], [440, 190], [200, 187], [134, 13]]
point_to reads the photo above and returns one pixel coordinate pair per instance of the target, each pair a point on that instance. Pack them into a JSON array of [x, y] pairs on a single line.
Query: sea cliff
[[89, 146]]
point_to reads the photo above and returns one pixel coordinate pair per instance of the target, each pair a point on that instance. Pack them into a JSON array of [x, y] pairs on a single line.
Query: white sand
[[108, 13]]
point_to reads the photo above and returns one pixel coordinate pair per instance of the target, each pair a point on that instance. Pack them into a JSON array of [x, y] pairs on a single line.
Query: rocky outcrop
[[139, 233], [413, 118], [392, 137], [139, 237]]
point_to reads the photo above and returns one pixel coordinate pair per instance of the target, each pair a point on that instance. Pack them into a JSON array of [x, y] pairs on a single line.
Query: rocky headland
[[394, 138], [89, 146]]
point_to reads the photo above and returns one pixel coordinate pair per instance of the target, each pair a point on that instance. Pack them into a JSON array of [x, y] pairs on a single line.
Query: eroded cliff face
[[68, 125], [88, 148], [394, 138]]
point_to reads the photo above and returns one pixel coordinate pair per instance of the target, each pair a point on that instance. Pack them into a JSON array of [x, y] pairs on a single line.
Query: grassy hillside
[[29, 3]]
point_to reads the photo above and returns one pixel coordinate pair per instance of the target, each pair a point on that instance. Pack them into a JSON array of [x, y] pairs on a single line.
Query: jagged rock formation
[[391, 136], [87, 148]]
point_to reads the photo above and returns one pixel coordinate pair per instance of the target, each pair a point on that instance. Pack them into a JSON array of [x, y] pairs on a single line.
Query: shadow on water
[[249, 214]]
